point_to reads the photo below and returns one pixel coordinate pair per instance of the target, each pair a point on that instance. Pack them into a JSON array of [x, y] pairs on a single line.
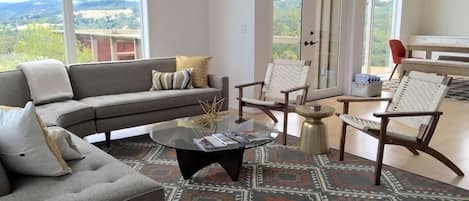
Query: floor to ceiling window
[[379, 18], [29, 31], [104, 30], [109, 30], [287, 29]]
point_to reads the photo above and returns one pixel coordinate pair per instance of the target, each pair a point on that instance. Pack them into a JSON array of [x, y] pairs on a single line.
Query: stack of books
[[227, 141]]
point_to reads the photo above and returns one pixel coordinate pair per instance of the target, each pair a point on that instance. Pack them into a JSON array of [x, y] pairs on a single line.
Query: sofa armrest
[[220, 82]]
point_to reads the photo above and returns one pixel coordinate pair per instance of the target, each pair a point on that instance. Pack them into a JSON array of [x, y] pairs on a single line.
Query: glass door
[[379, 27], [310, 30]]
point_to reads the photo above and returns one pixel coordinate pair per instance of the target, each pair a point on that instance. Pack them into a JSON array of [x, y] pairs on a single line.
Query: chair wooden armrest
[[354, 100], [306, 87], [406, 114], [249, 84], [347, 101]]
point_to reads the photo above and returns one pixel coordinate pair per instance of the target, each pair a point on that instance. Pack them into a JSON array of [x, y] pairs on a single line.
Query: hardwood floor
[[451, 138]]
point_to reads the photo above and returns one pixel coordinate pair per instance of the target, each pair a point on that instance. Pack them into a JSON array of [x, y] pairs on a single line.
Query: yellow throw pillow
[[199, 65]]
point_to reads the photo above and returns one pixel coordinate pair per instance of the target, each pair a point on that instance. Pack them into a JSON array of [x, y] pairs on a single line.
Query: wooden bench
[[435, 66]]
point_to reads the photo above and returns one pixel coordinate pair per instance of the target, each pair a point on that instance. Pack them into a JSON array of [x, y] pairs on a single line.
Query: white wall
[[351, 46], [236, 33], [434, 17], [411, 16], [231, 44], [177, 27], [263, 25], [445, 17]]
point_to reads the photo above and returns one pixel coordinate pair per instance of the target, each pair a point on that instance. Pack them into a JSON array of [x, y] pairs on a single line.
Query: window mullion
[[69, 32]]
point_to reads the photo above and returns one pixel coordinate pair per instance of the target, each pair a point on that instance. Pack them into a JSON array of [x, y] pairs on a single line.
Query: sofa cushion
[[4, 182], [43, 88], [99, 79], [97, 177], [147, 101], [66, 113], [14, 90]]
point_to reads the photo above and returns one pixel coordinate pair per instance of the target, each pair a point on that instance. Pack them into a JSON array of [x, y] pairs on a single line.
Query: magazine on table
[[216, 142], [247, 137], [233, 140]]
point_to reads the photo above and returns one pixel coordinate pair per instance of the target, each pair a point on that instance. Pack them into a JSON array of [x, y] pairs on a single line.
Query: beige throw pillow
[[64, 143], [48, 81], [199, 66], [26, 147]]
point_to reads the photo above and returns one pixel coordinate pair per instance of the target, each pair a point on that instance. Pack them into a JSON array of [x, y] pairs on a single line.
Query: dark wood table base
[[192, 161]]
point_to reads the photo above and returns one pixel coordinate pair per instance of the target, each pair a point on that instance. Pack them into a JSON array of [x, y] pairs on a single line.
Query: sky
[[12, 1]]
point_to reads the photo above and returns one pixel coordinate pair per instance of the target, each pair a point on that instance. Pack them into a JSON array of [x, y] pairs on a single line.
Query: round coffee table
[[179, 134], [313, 138]]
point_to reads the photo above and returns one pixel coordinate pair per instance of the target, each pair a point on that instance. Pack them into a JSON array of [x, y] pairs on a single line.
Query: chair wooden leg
[[240, 111], [108, 138], [443, 159], [393, 71], [342, 141], [379, 162], [414, 151], [285, 124], [270, 114]]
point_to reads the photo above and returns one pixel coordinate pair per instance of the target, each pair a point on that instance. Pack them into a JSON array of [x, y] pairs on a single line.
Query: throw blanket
[[48, 81]]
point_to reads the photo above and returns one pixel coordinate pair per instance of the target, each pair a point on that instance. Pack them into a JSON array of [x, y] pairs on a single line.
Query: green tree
[[286, 22], [42, 42], [381, 33]]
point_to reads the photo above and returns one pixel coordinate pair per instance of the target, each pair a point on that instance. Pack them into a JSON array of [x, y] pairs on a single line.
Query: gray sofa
[[97, 177], [107, 97]]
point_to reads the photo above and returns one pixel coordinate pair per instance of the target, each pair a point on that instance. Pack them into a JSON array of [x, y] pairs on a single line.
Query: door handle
[[310, 43]]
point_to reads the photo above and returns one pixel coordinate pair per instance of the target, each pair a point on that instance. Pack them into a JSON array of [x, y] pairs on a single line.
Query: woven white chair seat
[[253, 101], [260, 102], [370, 125]]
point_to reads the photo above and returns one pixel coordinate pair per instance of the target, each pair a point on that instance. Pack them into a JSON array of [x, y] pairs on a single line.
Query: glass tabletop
[[180, 133]]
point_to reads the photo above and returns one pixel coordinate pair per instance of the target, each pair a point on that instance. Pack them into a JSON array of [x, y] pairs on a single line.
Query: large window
[[103, 30], [108, 30], [379, 19], [287, 29]]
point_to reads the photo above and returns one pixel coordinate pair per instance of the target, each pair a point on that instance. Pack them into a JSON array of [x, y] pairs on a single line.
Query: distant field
[[9, 61]]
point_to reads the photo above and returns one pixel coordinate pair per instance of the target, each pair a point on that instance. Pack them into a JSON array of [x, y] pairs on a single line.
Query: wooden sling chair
[[415, 104], [284, 87]]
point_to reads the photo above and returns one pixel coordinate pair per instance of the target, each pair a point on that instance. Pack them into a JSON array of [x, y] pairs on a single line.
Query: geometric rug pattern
[[279, 173], [458, 90]]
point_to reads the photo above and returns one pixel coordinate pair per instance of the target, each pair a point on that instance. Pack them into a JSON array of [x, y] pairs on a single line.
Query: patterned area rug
[[279, 173], [458, 90]]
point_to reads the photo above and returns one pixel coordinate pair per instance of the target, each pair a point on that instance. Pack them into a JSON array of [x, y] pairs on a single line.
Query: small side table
[[313, 132]]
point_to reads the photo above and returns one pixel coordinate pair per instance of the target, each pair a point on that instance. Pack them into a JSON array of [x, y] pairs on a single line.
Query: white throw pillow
[[64, 142], [48, 81], [25, 147]]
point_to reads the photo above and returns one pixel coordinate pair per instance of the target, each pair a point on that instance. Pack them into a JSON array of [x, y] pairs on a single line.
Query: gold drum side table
[[313, 138]]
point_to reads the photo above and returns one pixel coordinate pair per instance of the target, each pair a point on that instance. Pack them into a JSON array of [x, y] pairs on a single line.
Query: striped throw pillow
[[175, 80]]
